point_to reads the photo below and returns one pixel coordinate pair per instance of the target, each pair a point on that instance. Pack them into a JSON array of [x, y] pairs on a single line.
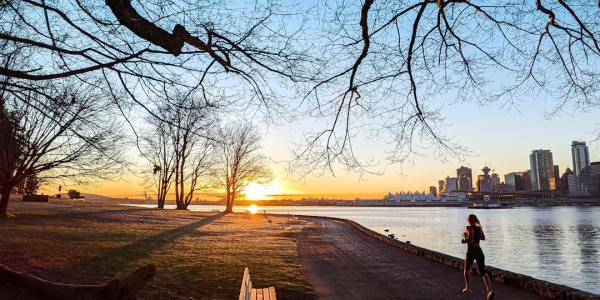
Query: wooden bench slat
[[246, 287], [266, 294], [249, 293]]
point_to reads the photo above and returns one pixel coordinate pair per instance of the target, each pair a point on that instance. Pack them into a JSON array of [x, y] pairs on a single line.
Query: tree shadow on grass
[[118, 260], [80, 212]]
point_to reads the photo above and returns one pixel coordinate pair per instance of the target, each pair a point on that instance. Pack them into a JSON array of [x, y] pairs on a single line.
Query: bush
[[74, 194]]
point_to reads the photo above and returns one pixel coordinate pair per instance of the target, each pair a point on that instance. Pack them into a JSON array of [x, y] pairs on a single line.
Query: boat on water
[[490, 205]]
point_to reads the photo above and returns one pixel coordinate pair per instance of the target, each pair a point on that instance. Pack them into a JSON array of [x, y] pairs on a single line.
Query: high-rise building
[[495, 181], [527, 180], [433, 191], [563, 187], [465, 178], [464, 184], [593, 172], [484, 182], [441, 186], [587, 183], [556, 177], [515, 179], [581, 156], [542, 171], [451, 184]]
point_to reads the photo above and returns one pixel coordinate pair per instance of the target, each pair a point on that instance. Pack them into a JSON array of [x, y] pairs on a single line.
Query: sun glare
[[253, 209], [255, 191]]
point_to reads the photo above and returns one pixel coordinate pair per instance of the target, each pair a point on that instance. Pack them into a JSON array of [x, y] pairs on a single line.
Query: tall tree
[[180, 148], [239, 160], [57, 132], [158, 151]]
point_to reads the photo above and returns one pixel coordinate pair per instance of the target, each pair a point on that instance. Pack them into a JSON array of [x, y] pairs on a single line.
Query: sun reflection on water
[[253, 209]]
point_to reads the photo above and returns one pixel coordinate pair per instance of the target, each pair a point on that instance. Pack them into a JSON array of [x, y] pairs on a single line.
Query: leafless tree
[[180, 148], [141, 47], [396, 64], [239, 160], [376, 68], [159, 152], [59, 132]]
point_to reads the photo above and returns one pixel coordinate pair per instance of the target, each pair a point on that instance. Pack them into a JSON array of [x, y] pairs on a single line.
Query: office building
[[515, 179], [527, 180], [556, 177], [563, 186], [484, 182], [495, 181], [542, 171], [587, 183], [580, 155], [451, 184], [433, 191], [441, 186], [465, 178]]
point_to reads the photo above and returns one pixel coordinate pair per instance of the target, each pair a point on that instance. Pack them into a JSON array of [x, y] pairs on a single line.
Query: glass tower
[[581, 157], [542, 170]]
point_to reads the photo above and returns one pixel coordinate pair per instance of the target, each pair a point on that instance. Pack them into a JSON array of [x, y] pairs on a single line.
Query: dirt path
[[343, 263]]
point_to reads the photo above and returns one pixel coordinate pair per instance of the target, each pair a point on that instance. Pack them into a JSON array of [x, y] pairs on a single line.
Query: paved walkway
[[343, 263]]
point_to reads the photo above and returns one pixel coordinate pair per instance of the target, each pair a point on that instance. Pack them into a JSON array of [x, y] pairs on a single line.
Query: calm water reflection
[[558, 244]]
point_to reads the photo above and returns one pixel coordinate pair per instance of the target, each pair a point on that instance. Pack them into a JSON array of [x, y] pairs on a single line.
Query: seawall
[[527, 283]]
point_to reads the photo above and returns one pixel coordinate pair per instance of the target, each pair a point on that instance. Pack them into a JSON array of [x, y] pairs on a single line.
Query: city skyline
[[502, 144], [299, 149], [278, 190], [500, 134]]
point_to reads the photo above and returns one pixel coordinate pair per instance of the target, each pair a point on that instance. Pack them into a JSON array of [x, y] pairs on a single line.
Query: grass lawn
[[197, 255]]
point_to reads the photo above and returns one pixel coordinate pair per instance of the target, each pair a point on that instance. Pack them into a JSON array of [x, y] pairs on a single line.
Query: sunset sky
[[500, 136], [497, 134]]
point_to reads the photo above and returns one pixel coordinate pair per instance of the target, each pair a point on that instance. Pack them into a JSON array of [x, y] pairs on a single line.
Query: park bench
[[249, 293]]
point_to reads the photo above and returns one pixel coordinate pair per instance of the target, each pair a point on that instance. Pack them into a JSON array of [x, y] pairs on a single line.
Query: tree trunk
[[4, 202], [229, 207], [160, 202], [180, 204]]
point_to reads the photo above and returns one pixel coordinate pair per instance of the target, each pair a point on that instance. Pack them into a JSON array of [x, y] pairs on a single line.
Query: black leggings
[[475, 253]]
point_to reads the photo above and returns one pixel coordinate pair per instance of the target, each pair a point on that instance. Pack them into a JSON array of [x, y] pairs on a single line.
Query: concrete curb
[[527, 283]]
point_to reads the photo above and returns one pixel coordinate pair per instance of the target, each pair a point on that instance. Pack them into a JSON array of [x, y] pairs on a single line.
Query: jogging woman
[[474, 234]]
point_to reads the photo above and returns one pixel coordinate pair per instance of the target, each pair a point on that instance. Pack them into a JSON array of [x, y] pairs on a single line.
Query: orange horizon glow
[[125, 190], [133, 189]]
